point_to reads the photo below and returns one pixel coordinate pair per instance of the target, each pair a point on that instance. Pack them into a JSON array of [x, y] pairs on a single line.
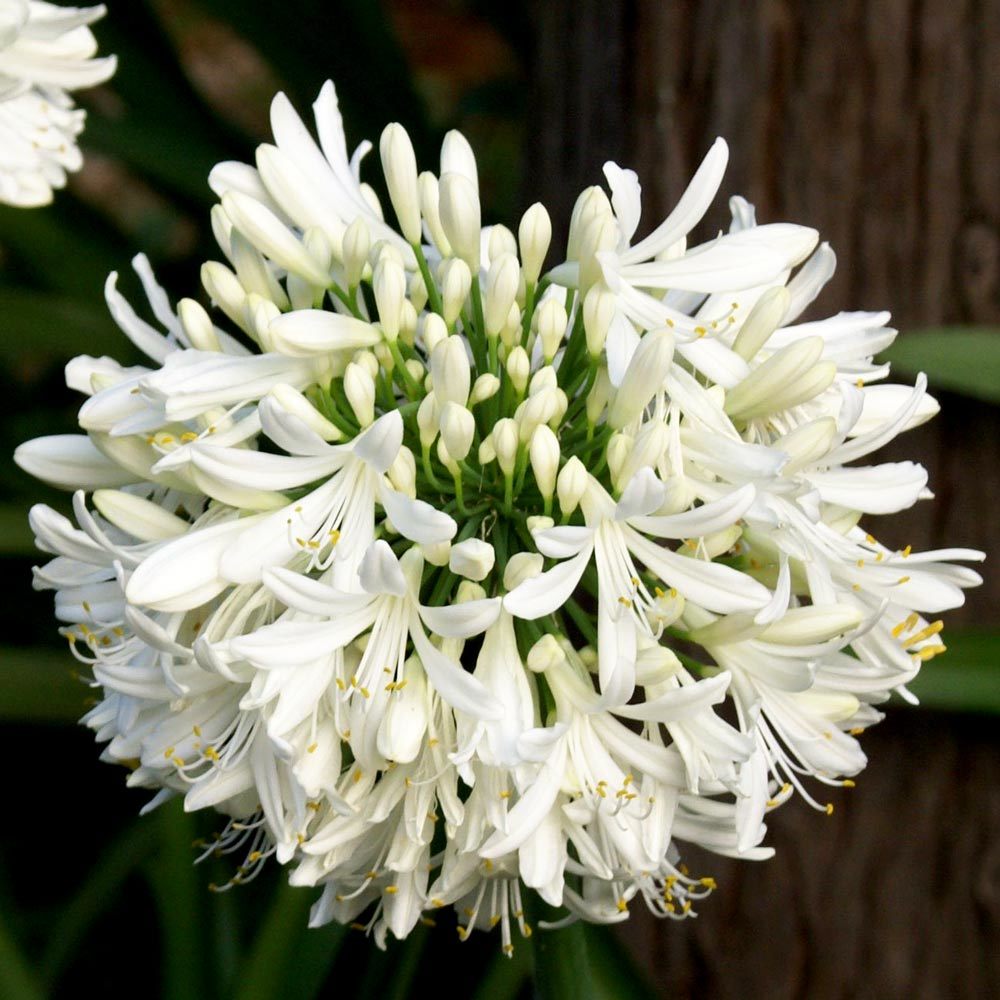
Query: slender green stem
[[433, 295], [562, 969]]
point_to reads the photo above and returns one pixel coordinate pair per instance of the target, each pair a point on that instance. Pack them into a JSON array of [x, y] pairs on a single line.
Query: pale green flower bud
[[510, 335], [501, 241], [551, 318], [457, 157], [599, 395], [485, 387], [368, 361], [544, 454], [643, 378], [399, 165], [458, 427], [765, 317], [429, 206], [501, 290], [456, 281], [519, 368], [535, 410], [427, 419], [655, 665], [451, 371], [487, 453], [417, 291], [520, 567], [142, 518], [357, 243], [197, 325], [444, 457], [598, 312], [434, 330], [619, 448], [389, 286], [416, 370], [436, 554], [225, 291], [807, 443], [292, 401], [403, 472], [600, 235], [460, 217], [591, 204], [544, 378], [534, 235], [545, 654], [505, 444], [472, 559], [571, 484], [359, 387], [773, 385]]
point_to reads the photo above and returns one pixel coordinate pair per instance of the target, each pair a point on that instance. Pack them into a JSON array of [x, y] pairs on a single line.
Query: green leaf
[[17, 980], [97, 895], [16, 536], [39, 685], [561, 964], [505, 976], [288, 959], [962, 359], [966, 678], [613, 968]]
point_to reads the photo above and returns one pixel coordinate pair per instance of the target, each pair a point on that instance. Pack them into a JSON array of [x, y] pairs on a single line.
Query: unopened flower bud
[[456, 280], [429, 206], [436, 554], [535, 410], [197, 325], [292, 401], [451, 371], [598, 312], [519, 368], [534, 235], [371, 199], [619, 448], [427, 419], [485, 387], [510, 335], [487, 453], [643, 378], [501, 241], [403, 472], [224, 290], [368, 361], [520, 567], [551, 318], [571, 484], [357, 242], [591, 204], [763, 320], [600, 235], [389, 286], [359, 387], [544, 454], [142, 518], [457, 157], [408, 320], [458, 427], [416, 370], [417, 291], [545, 654], [778, 381], [505, 444], [399, 165], [544, 378], [472, 559], [460, 217], [501, 290], [434, 330]]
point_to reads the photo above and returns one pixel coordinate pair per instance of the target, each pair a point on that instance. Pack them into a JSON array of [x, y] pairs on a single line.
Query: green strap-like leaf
[[17, 981], [965, 678], [38, 685], [963, 359]]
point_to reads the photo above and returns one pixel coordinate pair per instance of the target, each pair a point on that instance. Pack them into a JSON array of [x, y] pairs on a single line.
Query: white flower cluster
[[444, 576], [45, 51]]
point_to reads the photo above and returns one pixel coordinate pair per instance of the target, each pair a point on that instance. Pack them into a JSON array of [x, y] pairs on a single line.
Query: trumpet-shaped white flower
[[324, 590], [46, 51]]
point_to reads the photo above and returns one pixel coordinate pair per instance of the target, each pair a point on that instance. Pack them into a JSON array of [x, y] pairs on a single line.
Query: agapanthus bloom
[[449, 578], [46, 51]]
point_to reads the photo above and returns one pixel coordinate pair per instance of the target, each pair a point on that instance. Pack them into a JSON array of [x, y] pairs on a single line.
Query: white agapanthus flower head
[[46, 52], [451, 580]]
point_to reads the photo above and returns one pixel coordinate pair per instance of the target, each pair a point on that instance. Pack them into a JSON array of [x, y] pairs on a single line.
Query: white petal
[[680, 703], [379, 444], [873, 489], [305, 333], [70, 462], [380, 572], [643, 494], [461, 621], [703, 520], [543, 594], [417, 520]]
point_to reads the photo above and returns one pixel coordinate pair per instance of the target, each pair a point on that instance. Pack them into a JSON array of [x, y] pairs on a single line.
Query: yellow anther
[[847, 783], [625, 601], [357, 926], [254, 856], [700, 330], [505, 794], [488, 865], [786, 788], [437, 903], [356, 776], [708, 882], [365, 693], [391, 890], [860, 383], [903, 579], [428, 922], [507, 949], [196, 730], [622, 905], [861, 563], [526, 930], [929, 652], [906, 551], [925, 633], [829, 808], [494, 920], [177, 761], [312, 748], [463, 932], [211, 754], [857, 730], [168, 753], [189, 436], [341, 686], [870, 539], [313, 806]]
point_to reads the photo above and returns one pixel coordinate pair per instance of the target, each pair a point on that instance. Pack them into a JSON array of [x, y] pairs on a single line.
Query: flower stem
[[561, 965]]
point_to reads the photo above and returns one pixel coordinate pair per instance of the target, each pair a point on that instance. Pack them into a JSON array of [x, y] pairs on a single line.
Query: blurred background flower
[[877, 123]]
